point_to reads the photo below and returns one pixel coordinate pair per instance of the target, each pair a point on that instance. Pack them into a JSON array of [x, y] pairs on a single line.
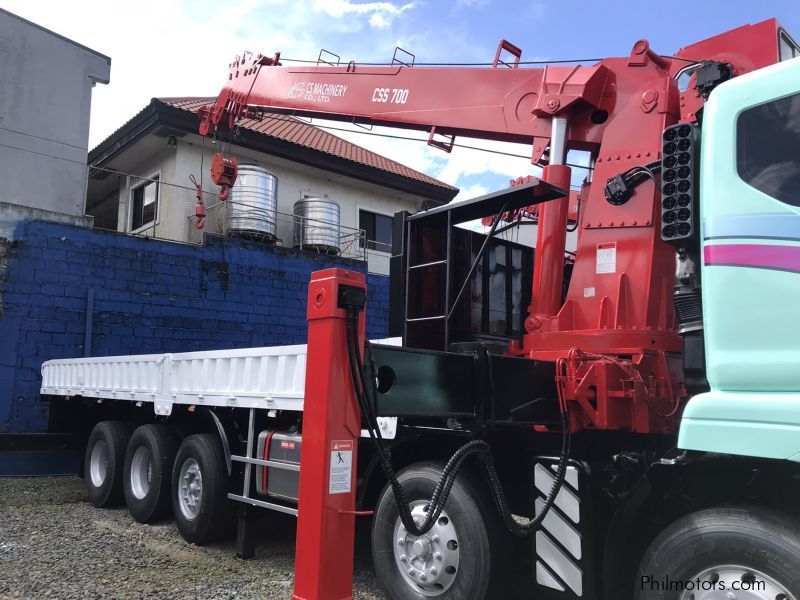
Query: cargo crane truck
[[627, 424]]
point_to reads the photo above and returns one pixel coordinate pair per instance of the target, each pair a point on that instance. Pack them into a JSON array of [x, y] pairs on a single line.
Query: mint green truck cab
[[739, 435], [750, 268]]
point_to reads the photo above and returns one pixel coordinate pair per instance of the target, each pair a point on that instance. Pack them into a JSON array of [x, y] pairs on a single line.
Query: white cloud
[[185, 52], [379, 21], [471, 191], [380, 13]]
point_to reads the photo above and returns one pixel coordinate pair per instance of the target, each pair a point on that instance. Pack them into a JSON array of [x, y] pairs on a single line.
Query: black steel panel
[[518, 196], [426, 383]]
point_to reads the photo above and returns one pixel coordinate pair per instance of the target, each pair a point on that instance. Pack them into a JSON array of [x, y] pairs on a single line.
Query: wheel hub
[[190, 488], [428, 563], [732, 582], [98, 463], [141, 472]]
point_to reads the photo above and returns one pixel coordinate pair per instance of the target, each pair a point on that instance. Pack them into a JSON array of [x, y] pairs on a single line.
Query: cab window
[[787, 48], [768, 148]]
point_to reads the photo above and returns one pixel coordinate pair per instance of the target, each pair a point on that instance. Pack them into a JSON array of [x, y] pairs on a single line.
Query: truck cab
[[750, 266]]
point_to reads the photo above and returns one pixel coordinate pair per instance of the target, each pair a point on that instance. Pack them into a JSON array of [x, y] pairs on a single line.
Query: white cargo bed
[[260, 378], [268, 378]]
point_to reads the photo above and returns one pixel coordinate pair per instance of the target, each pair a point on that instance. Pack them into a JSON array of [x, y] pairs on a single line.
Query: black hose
[[441, 492]]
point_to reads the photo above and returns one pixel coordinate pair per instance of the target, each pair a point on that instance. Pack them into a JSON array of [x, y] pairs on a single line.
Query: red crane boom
[[615, 333]]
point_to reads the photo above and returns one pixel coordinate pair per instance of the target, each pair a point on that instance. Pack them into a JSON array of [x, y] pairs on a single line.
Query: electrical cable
[[453, 466], [470, 64], [444, 64], [279, 116]]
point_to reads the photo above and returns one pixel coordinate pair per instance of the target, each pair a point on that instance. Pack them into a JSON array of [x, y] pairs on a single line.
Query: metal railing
[[173, 219]]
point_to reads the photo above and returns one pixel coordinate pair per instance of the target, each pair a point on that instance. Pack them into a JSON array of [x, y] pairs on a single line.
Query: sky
[[182, 48]]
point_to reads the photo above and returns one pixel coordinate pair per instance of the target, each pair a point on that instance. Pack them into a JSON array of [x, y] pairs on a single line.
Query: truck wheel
[[148, 471], [751, 554], [463, 557], [199, 489], [103, 463]]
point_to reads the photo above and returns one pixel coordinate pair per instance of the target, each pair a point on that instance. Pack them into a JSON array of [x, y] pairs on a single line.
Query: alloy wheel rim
[[428, 563]]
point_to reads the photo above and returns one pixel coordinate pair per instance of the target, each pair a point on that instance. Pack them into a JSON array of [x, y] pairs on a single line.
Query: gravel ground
[[55, 544]]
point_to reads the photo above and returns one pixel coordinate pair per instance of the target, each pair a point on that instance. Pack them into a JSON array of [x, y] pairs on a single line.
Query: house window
[[145, 204], [378, 229]]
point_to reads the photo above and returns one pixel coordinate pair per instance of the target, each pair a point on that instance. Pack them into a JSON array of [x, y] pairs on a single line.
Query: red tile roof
[[295, 131]]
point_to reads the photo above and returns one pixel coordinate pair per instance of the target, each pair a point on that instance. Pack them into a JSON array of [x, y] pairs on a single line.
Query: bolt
[[423, 577], [401, 542], [640, 47], [437, 555], [435, 539], [434, 571], [403, 558], [553, 104], [412, 572]]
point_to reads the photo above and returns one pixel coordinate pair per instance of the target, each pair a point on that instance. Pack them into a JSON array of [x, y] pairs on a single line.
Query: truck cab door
[[750, 227]]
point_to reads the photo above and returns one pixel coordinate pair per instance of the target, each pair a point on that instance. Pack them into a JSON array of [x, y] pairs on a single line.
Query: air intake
[[679, 170]]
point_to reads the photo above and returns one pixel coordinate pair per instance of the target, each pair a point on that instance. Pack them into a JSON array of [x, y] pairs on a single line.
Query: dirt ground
[[55, 544]]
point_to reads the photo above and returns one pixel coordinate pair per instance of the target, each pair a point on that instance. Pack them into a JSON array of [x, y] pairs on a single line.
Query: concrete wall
[[149, 297], [45, 97]]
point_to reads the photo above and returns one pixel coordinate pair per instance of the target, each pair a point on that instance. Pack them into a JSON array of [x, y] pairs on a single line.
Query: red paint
[[326, 522], [765, 256], [616, 109]]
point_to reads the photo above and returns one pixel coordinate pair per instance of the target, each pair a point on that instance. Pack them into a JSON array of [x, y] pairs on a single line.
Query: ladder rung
[[428, 264], [425, 318], [252, 501], [266, 463]]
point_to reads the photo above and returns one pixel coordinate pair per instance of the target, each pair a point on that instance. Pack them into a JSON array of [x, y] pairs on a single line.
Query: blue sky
[[173, 48]]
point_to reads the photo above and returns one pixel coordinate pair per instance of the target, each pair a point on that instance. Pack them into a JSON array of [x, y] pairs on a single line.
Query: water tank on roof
[[252, 206], [317, 224]]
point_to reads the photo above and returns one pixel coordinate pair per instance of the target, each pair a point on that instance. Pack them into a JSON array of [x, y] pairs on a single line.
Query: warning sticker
[[606, 258], [341, 467]]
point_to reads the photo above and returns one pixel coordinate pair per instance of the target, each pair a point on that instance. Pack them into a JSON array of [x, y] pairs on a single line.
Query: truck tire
[[723, 546], [464, 557], [148, 472], [199, 490], [104, 461]]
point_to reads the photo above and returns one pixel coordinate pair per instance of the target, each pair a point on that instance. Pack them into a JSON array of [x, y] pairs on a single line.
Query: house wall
[[148, 297], [177, 200], [45, 99], [295, 179]]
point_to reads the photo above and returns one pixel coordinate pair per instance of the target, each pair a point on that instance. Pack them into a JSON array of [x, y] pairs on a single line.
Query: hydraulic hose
[[479, 448]]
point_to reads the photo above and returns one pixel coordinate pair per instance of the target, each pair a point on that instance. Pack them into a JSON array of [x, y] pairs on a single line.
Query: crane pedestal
[[331, 428]]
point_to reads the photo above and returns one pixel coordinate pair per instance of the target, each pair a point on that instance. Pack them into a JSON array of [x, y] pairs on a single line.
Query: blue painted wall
[[149, 297]]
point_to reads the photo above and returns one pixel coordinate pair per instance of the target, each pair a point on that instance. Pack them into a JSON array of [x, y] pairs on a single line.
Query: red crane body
[[614, 336]]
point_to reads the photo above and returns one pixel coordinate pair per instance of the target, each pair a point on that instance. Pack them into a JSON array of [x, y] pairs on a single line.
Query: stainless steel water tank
[[316, 224], [253, 203]]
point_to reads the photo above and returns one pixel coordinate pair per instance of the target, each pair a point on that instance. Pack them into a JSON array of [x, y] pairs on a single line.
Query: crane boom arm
[[502, 104]]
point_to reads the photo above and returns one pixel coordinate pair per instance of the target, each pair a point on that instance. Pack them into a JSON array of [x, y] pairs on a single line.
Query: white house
[[139, 179]]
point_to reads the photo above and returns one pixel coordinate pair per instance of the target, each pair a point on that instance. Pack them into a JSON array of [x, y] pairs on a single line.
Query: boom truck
[[632, 417]]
